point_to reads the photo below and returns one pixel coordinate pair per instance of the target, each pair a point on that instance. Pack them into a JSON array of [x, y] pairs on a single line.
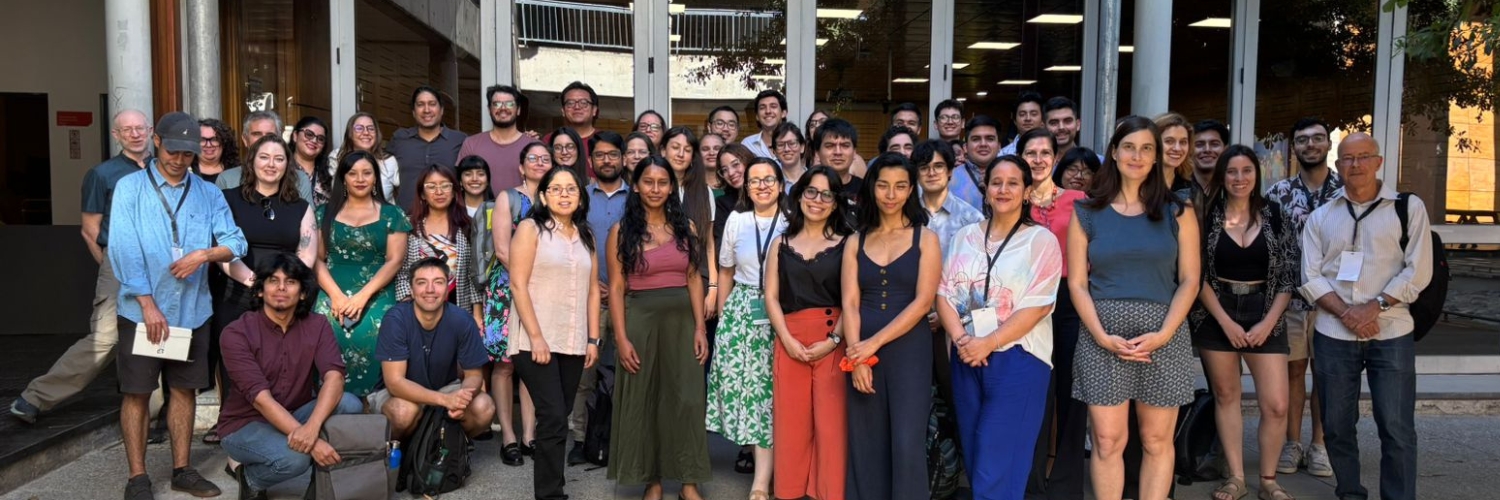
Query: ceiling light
[[981, 93], [995, 45], [1057, 19], [1212, 22], [677, 8], [1016, 82], [676, 38], [962, 99], [957, 65], [1127, 49], [767, 77], [839, 13], [778, 62], [1064, 68], [909, 80]]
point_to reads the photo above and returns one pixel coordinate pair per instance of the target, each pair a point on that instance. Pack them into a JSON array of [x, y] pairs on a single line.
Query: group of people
[[777, 289]]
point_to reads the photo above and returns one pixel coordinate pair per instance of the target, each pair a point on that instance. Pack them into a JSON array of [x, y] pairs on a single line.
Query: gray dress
[[1132, 277]]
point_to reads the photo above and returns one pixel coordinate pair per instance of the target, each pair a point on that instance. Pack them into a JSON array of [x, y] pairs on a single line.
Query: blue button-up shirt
[[605, 209], [964, 186], [141, 246], [949, 218]]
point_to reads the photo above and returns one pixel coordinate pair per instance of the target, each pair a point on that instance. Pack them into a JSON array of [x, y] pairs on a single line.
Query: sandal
[[1274, 491], [745, 462], [1231, 489], [760, 495]]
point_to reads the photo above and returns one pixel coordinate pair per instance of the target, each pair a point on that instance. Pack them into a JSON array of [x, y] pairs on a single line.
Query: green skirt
[[739, 382], [657, 429]]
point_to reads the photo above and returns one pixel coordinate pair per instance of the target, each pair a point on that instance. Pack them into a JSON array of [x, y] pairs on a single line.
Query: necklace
[[1046, 200]]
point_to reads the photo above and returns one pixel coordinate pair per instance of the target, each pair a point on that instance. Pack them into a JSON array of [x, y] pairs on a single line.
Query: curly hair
[[227, 142], [294, 269]]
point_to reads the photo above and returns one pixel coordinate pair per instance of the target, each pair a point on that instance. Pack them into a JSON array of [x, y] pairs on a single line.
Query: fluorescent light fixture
[[981, 93], [1127, 49], [820, 41], [909, 80], [1016, 82], [677, 8], [995, 45], [1064, 68], [1057, 19], [957, 65], [1212, 22], [676, 38], [839, 13], [777, 62], [962, 99], [767, 77]]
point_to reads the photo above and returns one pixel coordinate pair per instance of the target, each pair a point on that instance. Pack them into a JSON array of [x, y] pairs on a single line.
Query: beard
[[611, 177], [1304, 165], [504, 124]]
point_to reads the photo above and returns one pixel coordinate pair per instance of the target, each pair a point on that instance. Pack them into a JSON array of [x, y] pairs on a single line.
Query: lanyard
[[974, 178], [996, 256], [760, 250], [171, 214], [1350, 205]]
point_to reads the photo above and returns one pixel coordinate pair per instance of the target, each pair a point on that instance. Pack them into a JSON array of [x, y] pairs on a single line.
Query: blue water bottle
[[392, 475]]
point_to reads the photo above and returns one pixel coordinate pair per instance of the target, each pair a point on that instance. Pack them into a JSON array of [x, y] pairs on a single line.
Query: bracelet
[[596, 342], [713, 285]]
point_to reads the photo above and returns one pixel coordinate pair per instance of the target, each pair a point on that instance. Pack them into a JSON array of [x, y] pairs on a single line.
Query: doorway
[[25, 160]]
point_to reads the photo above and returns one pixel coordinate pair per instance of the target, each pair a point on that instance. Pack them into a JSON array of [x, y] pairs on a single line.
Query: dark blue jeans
[[263, 450], [1390, 366]]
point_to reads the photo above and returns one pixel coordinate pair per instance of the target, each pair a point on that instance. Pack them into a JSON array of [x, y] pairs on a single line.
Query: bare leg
[[1110, 425], [1296, 374], [180, 416], [1224, 376], [689, 492], [133, 423], [503, 393], [763, 461], [528, 416], [1157, 425], [1266, 369]]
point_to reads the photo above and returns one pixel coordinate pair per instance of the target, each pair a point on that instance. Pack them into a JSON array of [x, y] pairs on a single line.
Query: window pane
[[1048, 59], [558, 43], [871, 63]]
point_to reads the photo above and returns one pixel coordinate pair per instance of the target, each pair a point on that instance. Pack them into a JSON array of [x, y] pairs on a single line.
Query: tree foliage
[[1450, 48]]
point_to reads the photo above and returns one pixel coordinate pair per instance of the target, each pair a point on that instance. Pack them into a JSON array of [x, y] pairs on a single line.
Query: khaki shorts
[[377, 399], [1299, 333]]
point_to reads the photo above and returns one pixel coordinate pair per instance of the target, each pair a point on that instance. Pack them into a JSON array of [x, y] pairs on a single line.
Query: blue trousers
[[1000, 410], [263, 450], [1390, 366]]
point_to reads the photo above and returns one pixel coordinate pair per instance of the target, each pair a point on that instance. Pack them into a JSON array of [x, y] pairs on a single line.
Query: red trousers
[[809, 432]]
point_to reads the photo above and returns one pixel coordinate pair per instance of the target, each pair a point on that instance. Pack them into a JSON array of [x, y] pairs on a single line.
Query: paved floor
[[1458, 461]]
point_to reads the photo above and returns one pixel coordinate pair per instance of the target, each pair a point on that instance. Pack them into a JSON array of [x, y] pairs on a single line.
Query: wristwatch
[[596, 342], [836, 338], [1384, 306]]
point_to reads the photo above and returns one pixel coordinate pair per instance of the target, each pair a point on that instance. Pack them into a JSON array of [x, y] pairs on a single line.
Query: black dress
[[271, 226]]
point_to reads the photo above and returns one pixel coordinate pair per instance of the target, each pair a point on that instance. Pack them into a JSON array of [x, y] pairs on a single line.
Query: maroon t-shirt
[[260, 357], [504, 159]]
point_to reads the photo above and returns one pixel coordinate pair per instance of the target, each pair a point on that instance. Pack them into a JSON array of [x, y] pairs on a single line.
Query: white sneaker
[[1317, 461], [1291, 458]]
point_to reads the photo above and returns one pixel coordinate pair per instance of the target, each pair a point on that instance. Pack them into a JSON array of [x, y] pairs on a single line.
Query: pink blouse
[[1056, 218], [559, 289]]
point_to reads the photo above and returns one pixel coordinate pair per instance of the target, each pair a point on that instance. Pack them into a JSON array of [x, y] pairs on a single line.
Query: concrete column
[[1107, 81], [801, 55], [496, 52], [1152, 59], [345, 84], [940, 78], [204, 85], [127, 24]]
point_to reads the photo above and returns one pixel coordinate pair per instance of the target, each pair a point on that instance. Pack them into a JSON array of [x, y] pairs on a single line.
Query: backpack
[[1194, 440], [944, 465], [363, 473], [1428, 308], [436, 460], [601, 410], [482, 242]]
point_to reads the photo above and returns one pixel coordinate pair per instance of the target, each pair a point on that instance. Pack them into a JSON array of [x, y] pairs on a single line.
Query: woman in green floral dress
[[363, 244]]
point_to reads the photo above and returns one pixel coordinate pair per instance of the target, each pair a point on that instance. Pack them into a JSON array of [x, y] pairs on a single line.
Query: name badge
[[1350, 264], [985, 321], [758, 315], [176, 254]]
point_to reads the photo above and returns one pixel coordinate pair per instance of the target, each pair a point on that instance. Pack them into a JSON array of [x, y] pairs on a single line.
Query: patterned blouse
[[1297, 201], [1026, 274], [1282, 275], [456, 252]]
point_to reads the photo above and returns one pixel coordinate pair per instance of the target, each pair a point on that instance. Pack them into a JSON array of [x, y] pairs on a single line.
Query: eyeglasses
[[544, 159], [365, 129], [1303, 140], [136, 130], [648, 127], [813, 194], [1359, 160], [503, 104], [638, 152], [438, 187], [762, 181], [601, 155], [565, 148], [310, 136], [1079, 171], [562, 191], [577, 103], [1037, 155], [789, 146], [265, 208], [210, 142], [725, 123], [934, 167], [814, 124], [950, 119]]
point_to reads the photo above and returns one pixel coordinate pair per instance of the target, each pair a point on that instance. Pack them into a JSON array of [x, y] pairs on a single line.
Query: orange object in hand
[[848, 366]]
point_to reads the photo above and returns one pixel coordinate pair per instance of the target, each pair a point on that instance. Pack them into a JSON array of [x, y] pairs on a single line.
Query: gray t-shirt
[[1130, 258]]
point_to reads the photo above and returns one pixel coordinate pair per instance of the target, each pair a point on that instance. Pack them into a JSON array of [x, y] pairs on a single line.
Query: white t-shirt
[[738, 248]]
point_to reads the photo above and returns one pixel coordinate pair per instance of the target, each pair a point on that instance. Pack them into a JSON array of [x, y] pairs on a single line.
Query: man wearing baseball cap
[[180, 224]]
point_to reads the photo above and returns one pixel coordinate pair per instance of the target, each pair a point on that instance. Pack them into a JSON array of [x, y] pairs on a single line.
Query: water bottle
[[439, 466], [393, 474]]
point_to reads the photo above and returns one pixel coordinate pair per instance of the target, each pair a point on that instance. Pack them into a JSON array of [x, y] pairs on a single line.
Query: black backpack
[[1428, 307], [944, 465], [436, 460], [601, 410], [1194, 440]]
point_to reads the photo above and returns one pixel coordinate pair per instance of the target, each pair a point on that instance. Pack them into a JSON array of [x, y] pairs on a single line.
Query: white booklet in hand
[[176, 347]]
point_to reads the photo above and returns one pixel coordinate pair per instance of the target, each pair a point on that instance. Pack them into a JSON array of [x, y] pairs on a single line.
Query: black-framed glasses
[[812, 194], [266, 210], [312, 136], [600, 155], [761, 181], [648, 127]]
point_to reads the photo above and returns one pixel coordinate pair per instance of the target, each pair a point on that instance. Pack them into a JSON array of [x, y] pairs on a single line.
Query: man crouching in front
[[423, 344]]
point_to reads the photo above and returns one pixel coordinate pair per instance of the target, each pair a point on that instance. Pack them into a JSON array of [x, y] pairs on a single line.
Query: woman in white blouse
[[739, 378], [999, 283], [555, 330]]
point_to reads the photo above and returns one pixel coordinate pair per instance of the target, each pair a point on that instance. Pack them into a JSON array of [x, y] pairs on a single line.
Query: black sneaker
[[576, 457], [24, 410], [246, 493], [139, 488], [191, 482]]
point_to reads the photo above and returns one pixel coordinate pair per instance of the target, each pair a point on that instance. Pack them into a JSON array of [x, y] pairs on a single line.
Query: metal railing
[[605, 27]]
